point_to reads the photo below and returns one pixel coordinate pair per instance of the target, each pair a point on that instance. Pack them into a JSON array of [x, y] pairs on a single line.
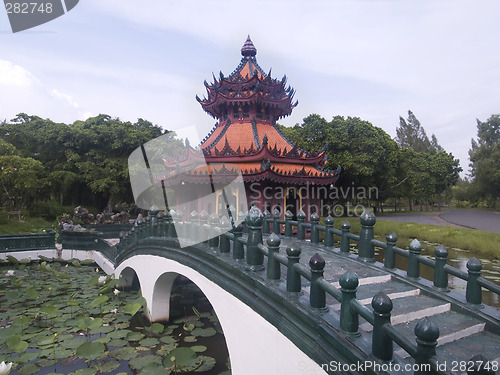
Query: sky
[[373, 59]]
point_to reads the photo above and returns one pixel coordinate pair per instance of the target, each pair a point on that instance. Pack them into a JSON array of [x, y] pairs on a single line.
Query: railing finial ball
[[273, 240], [381, 303], [474, 265], [426, 330], [317, 262], [349, 280]]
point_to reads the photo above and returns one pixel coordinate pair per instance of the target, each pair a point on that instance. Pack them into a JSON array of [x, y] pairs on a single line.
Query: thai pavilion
[[276, 173]]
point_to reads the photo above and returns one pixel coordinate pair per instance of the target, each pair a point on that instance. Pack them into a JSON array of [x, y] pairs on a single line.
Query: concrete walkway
[[476, 219]]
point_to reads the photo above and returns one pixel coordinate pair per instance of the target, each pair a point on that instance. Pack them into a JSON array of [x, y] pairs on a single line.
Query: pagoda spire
[[248, 49]]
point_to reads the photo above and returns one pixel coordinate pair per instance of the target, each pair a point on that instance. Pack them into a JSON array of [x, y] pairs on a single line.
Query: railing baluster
[[345, 246], [413, 271], [382, 347], [301, 231], [427, 334], [328, 241], [314, 230], [390, 258], [349, 319], [365, 249], [293, 283], [440, 275], [276, 217], [193, 224], [273, 266], [288, 224], [255, 259], [266, 228], [317, 295], [238, 251], [214, 231], [473, 292], [224, 242]]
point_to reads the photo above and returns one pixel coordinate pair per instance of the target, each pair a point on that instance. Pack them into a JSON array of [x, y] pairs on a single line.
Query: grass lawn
[[477, 241], [26, 226]]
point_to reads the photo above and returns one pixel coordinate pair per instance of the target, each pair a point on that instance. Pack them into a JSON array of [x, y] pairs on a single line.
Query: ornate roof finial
[[248, 48]]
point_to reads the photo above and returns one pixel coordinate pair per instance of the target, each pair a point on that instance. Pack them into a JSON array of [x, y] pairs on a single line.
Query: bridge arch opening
[[129, 280]]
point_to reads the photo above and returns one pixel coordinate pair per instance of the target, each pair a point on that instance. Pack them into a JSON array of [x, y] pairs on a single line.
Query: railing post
[[202, 229], [276, 217], [382, 347], [180, 225], [148, 229], [243, 214], [238, 251], [301, 231], [170, 224], [153, 212], [349, 319], [328, 241], [317, 295], [224, 242], [366, 251], [440, 275], [255, 259], [193, 224], [314, 230], [413, 271], [345, 246], [266, 228], [390, 258], [427, 334], [293, 283], [473, 292], [214, 231], [288, 224], [273, 266]]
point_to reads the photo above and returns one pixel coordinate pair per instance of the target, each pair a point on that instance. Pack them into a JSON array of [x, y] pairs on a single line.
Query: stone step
[[453, 326]]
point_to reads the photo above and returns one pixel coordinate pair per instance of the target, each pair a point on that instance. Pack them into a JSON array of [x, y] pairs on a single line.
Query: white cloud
[[12, 75]]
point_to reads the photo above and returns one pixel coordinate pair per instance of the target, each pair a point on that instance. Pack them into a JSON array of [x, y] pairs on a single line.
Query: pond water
[[69, 318], [457, 258]]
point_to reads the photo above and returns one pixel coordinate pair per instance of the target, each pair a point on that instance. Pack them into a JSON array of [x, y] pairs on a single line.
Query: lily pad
[[15, 344], [107, 366], [203, 332], [90, 350], [135, 336], [126, 353], [29, 368], [132, 308], [199, 348], [156, 328], [141, 362], [149, 341], [118, 334], [207, 363], [99, 301]]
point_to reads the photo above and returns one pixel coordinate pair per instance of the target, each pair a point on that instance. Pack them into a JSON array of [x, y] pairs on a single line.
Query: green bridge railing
[[252, 249], [25, 242]]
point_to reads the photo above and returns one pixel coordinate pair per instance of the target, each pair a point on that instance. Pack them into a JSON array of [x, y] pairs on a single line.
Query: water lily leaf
[[50, 311], [135, 336], [203, 332], [103, 339], [90, 350], [11, 259], [125, 354], [156, 328], [141, 362], [180, 358], [149, 341], [73, 343], [117, 343], [46, 362], [30, 368], [118, 334], [16, 344], [44, 341], [84, 371], [89, 323], [102, 329], [76, 263], [99, 301], [22, 320], [131, 308], [207, 363], [31, 293], [190, 339], [155, 371], [168, 340], [27, 357], [199, 348], [107, 366]]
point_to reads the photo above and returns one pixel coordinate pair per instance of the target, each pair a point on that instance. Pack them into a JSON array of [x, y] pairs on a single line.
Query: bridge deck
[[463, 333]]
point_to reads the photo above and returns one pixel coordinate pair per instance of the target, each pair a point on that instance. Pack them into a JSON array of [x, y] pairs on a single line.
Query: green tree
[[485, 159]]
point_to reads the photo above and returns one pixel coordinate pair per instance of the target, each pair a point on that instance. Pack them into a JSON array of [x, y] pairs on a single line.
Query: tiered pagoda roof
[[247, 104]]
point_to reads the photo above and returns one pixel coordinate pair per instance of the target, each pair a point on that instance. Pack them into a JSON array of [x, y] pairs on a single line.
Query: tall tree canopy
[[485, 159]]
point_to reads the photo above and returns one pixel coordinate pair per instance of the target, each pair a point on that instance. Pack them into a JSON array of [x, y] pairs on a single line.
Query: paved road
[[476, 219]]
